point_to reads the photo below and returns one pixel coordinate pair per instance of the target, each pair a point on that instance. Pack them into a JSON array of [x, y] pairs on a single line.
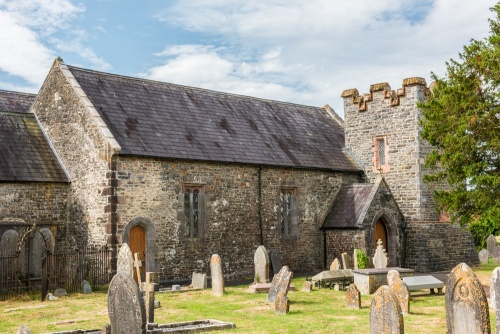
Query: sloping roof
[[25, 154], [149, 118], [348, 206]]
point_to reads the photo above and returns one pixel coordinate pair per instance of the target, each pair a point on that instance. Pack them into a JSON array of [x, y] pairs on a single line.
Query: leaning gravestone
[[217, 277], [491, 242], [261, 262], [380, 259], [385, 312], [494, 292], [347, 261], [353, 297], [199, 281], [483, 256], [281, 304], [125, 261], [495, 254], [281, 282], [466, 304], [126, 309], [335, 265], [276, 261], [400, 290]]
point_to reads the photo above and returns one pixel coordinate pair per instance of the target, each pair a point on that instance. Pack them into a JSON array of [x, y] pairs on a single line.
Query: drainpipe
[[324, 248], [113, 205], [260, 205]]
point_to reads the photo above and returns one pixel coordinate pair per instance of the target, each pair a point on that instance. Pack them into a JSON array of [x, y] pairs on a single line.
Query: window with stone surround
[[193, 201], [380, 159], [288, 212]]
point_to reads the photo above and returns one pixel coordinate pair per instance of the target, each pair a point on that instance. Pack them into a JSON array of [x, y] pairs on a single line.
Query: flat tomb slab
[[196, 326], [264, 288], [423, 282], [369, 280]]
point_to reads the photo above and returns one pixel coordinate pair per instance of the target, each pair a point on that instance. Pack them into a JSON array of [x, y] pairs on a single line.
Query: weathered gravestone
[[385, 312], [307, 286], [199, 281], [335, 264], [281, 304], [261, 262], [380, 259], [281, 282], [276, 261], [355, 259], [126, 306], [125, 261], [347, 261], [495, 254], [60, 292], [483, 256], [491, 242], [466, 304], [86, 288], [23, 330], [217, 277], [494, 292], [400, 290], [353, 297]]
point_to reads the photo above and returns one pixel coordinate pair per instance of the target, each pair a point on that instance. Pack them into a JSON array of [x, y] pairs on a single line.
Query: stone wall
[[340, 241], [438, 246]]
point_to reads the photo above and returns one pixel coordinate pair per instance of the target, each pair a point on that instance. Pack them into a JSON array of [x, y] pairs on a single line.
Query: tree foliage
[[462, 121]]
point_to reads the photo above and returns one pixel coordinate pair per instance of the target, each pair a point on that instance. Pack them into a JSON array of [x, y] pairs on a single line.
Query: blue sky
[[298, 51]]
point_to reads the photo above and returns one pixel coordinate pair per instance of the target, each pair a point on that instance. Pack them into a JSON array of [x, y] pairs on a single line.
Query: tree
[[461, 119]]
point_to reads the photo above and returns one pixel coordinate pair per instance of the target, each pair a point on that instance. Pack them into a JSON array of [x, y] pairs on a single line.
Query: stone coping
[[379, 271]]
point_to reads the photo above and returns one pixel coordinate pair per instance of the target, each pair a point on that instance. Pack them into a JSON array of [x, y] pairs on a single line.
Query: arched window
[[193, 211]]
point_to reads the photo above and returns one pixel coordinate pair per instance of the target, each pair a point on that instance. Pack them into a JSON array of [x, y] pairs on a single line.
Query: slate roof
[[25, 154], [149, 118], [348, 206]]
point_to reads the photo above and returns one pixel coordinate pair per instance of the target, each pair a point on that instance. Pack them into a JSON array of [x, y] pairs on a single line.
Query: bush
[[481, 229], [362, 259]]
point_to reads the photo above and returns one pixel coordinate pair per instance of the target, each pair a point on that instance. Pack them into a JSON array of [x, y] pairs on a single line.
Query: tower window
[[380, 154]]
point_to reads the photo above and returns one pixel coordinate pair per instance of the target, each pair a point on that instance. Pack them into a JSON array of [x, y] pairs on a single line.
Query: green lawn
[[322, 311]]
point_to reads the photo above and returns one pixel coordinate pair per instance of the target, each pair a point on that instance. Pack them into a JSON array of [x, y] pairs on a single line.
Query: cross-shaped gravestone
[[380, 259], [149, 298], [137, 266]]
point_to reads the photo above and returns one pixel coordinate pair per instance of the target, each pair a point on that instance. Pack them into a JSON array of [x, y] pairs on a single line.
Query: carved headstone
[[484, 255], [281, 304], [347, 261], [466, 304], [307, 286], [335, 264], [276, 261], [125, 261], [261, 262], [355, 259], [495, 254], [494, 292], [281, 282], [385, 312], [199, 281], [400, 290], [23, 330], [491, 242], [380, 259], [217, 277], [126, 306], [353, 297]]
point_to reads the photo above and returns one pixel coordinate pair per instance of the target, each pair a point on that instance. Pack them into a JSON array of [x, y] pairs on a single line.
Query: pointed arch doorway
[[138, 245], [380, 233]]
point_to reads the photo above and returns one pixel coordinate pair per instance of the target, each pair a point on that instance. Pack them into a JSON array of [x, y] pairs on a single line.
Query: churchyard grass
[[322, 311]]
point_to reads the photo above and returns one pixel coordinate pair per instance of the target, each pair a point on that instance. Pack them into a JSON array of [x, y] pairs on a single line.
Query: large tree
[[462, 121]]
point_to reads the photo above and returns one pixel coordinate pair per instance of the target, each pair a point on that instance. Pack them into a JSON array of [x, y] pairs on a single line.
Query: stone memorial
[[392, 276], [176, 287], [355, 259], [126, 309], [491, 242], [23, 330], [385, 312], [400, 290], [217, 277], [86, 288], [281, 282], [347, 261], [495, 254], [353, 297], [281, 304], [494, 292], [307, 286], [199, 281], [466, 304], [60, 292], [424, 282], [261, 262], [276, 261], [380, 259], [335, 264], [125, 261], [149, 296], [483, 256]]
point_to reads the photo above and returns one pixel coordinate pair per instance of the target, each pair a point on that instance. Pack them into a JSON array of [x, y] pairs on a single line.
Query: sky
[[305, 52]]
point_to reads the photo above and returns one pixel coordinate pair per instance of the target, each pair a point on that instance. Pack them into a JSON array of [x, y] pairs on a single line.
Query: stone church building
[[181, 173]]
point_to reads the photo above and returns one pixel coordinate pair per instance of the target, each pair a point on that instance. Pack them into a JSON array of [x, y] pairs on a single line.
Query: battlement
[[394, 96]]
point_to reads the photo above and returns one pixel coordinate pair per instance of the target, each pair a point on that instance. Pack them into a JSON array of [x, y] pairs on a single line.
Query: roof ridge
[[191, 87]]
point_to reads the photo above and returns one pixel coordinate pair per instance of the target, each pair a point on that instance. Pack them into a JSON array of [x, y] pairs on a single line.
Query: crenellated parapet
[[393, 96]]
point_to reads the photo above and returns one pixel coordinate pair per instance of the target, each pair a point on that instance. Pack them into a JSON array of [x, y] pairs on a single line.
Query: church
[[181, 173]]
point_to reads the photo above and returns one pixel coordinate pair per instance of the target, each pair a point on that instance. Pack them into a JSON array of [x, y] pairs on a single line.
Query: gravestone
[[483, 256], [494, 288], [87, 289], [347, 261], [149, 296], [335, 265], [400, 290], [466, 304], [307, 286], [137, 266], [60, 292], [385, 312], [281, 282], [355, 259], [23, 330], [353, 297], [125, 261], [491, 242], [176, 287], [217, 277], [276, 261], [495, 254], [380, 259], [199, 281], [281, 304], [126, 309], [261, 262]]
